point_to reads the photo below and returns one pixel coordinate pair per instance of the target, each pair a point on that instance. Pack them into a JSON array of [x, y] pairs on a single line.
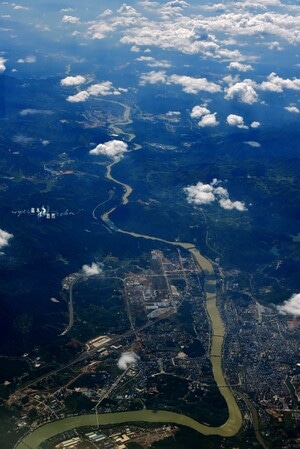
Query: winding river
[[234, 421]]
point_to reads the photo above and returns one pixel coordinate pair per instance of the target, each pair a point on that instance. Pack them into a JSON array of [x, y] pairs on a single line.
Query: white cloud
[[20, 7], [291, 306], [2, 65], [242, 91], [73, 80], [4, 238], [70, 19], [127, 10], [236, 120], [127, 359], [277, 84], [199, 111], [91, 270], [217, 31], [253, 144], [78, 98], [173, 113], [180, 33], [208, 120], [104, 88], [292, 109], [152, 62], [153, 78], [135, 49], [226, 203], [28, 60], [23, 140], [100, 30], [113, 149], [235, 65], [192, 85], [274, 46], [30, 111], [149, 4], [189, 84], [200, 194], [106, 13], [255, 125]]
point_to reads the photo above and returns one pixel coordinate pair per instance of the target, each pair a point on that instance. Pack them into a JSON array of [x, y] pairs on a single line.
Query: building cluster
[[155, 291], [111, 439], [257, 360], [261, 355], [98, 342]]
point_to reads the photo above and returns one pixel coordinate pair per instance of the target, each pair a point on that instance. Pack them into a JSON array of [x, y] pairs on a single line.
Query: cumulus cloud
[[73, 80], [127, 10], [208, 120], [28, 60], [291, 306], [235, 65], [177, 32], [189, 84], [199, 111], [253, 144], [236, 120], [2, 65], [201, 194], [277, 84], [292, 109], [153, 78], [243, 91], [70, 19], [226, 203], [135, 49], [113, 149], [66, 10], [30, 111], [274, 46], [100, 30], [152, 62], [127, 359], [79, 97], [4, 238], [211, 30], [20, 7], [106, 13], [192, 85], [105, 88], [173, 113], [22, 139], [255, 125], [91, 270]]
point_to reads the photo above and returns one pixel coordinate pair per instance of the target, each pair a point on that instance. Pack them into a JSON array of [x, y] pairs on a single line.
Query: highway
[[88, 354], [71, 308]]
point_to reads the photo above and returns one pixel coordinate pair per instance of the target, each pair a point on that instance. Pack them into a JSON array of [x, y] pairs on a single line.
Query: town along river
[[217, 332], [229, 428]]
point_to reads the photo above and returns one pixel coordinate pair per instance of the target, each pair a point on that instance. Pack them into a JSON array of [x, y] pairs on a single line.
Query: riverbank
[[217, 333]]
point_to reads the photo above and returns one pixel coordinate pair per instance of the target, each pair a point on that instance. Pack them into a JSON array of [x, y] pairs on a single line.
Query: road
[[70, 306], [89, 354]]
